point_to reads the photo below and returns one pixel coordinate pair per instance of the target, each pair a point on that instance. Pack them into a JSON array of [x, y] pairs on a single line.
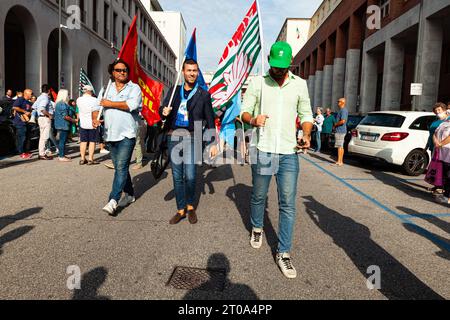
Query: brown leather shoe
[[192, 216], [177, 218]]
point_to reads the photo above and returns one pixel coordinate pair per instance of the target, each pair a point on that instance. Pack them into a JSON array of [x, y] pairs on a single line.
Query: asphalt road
[[349, 220]]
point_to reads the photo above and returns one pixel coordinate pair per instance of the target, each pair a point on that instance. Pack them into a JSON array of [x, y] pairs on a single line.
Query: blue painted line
[[375, 179], [401, 217], [424, 215]]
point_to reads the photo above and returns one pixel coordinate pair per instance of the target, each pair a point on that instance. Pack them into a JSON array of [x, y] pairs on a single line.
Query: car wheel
[[415, 163]]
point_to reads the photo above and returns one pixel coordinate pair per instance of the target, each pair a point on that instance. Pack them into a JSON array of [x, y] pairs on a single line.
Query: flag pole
[[105, 94], [261, 37], [175, 88], [263, 56]]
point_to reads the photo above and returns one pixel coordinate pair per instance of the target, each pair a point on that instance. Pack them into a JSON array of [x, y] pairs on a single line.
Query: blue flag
[[191, 54], [228, 127]]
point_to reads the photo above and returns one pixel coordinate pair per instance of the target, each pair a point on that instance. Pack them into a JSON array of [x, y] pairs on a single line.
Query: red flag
[[151, 89], [54, 94]]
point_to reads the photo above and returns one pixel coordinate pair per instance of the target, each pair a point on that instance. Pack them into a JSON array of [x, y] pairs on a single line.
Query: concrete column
[[394, 57], [319, 77], [430, 55], [311, 88], [353, 62], [312, 78], [339, 68], [338, 81], [368, 83], [327, 91], [352, 79], [318, 89]]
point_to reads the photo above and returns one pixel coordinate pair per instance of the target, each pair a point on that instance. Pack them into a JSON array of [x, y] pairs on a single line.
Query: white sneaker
[[284, 262], [104, 151], [126, 200], [256, 238], [111, 207]]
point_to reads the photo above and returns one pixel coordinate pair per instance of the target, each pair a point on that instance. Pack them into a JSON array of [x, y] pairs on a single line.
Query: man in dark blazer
[[190, 111]]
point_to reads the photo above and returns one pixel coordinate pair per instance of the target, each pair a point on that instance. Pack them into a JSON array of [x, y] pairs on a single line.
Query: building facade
[[29, 37], [173, 27], [372, 57], [295, 32]]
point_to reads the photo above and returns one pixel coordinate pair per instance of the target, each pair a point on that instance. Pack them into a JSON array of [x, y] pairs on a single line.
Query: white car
[[397, 137]]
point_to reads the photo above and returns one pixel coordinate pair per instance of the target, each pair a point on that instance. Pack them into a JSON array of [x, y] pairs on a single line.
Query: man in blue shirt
[[121, 102], [22, 114], [341, 130]]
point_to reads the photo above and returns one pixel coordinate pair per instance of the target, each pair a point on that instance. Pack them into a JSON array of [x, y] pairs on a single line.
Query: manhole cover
[[185, 278]]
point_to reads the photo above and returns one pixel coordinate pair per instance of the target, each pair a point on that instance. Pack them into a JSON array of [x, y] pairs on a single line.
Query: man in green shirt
[[327, 128], [271, 105]]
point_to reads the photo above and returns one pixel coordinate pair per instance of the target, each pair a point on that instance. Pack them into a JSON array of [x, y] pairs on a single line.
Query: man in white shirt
[[88, 109]]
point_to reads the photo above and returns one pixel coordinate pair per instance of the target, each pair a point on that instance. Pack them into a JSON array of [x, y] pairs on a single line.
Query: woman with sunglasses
[[121, 102]]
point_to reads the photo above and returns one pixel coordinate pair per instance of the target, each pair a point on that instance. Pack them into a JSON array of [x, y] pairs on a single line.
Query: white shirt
[[87, 104], [122, 124], [319, 122]]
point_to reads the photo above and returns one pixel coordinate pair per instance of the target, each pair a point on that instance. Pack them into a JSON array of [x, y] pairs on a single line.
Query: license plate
[[369, 138]]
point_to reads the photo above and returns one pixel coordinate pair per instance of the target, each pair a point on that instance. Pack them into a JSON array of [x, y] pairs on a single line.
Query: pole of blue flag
[[175, 88]]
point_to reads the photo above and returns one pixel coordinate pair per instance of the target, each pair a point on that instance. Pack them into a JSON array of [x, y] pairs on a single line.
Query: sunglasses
[[121, 70]]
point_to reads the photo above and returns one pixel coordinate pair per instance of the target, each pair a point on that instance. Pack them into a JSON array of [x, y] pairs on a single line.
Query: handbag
[[435, 173]]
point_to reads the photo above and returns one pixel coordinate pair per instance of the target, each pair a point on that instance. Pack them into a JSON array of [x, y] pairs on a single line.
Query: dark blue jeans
[[63, 134], [184, 169], [121, 152], [286, 170], [21, 134]]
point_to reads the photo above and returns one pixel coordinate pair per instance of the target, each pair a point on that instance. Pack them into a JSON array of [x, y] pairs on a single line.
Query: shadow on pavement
[[241, 195], [407, 187], [19, 232], [12, 163], [13, 235], [397, 282], [232, 291], [90, 284], [443, 225]]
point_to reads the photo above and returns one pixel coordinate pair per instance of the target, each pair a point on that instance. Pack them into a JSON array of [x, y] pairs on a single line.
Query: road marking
[[424, 215], [406, 220], [375, 179]]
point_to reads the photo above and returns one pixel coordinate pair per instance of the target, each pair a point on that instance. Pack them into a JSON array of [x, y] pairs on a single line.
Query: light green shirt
[[282, 105]]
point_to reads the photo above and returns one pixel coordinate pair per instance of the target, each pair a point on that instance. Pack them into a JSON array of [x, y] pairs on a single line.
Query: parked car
[[353, 121], [395, 137], [8, 136]]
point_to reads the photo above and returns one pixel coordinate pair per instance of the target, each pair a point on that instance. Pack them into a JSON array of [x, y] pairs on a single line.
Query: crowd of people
[[114, 117]]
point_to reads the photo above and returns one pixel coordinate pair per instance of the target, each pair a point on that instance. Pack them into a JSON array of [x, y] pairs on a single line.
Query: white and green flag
[[84, 81], [237, 61]]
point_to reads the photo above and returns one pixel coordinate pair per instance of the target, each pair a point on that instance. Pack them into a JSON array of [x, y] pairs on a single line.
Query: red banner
[[151, 89]]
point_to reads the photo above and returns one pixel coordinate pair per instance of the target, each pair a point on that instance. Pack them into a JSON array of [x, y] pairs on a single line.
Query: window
[[423, 123], [94, 16], [383, 120], [106, 21], [385, 6]]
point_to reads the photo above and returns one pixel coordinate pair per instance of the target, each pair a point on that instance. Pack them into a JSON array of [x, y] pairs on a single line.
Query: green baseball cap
[[280, 55]]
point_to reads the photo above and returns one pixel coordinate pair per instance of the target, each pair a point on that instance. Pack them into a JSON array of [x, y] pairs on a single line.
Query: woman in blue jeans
[[63, 121]]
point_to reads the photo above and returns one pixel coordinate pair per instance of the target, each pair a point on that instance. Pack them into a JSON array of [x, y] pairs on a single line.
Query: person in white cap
[[88, 110]]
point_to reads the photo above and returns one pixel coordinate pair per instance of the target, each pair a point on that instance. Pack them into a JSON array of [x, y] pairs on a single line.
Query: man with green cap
[[271, 105]]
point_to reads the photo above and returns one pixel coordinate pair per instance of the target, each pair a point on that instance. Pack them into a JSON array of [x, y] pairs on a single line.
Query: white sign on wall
[[416, 89]]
